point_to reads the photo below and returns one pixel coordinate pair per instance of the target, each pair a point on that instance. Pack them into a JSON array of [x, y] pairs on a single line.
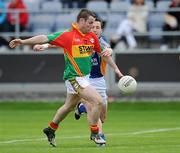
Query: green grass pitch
[[129, 128]]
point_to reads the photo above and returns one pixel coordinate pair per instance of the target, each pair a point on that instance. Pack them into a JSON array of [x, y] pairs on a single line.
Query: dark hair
[[99, 20], [84, 13], [134, 2]]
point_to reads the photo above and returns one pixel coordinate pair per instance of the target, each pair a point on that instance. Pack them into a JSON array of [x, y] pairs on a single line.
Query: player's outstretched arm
[[40, 39], [113, 65]]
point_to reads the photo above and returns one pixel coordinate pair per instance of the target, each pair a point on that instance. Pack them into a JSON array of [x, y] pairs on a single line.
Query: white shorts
[[100, 85], [77, 83]]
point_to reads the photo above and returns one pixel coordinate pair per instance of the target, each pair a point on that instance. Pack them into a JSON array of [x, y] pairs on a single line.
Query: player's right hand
[[14, 43], [107, 52], [38, 48]]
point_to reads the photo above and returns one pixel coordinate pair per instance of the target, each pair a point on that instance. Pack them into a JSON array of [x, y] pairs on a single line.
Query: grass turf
[[130, 128]]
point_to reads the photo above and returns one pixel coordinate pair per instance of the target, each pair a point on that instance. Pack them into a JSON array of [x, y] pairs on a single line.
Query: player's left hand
[[14, 43], [107, 52], [38, 48]]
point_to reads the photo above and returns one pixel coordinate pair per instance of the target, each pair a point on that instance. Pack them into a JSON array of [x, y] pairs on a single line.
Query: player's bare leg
[[70, 103], [99, 124], [88, 109], [101, 119], [62, 112], [103, 113], [92, 96], [85, 107]]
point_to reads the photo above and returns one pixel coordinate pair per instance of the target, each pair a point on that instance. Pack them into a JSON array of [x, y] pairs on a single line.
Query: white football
[[127, 84]]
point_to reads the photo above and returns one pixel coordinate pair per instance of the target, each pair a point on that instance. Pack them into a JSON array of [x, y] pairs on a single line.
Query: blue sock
[[102, 136], [82, 108]]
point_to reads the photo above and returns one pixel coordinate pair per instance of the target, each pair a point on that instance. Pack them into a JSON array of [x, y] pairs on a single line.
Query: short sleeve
[[58, 39], [53, 36], [103, 42]]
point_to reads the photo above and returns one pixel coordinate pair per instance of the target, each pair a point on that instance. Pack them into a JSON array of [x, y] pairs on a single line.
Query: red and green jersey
[[78, 49]]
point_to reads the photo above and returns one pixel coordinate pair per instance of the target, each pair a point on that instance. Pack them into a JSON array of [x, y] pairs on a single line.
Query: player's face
[[97, 28], [87, 24]]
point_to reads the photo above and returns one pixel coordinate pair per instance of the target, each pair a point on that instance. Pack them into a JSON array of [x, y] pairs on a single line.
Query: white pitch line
[[110, 134], [156, 130], [147, 131], [22, 140], [38, 139]]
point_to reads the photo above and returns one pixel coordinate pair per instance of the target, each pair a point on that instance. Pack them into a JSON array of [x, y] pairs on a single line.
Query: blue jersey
[[98, 64]]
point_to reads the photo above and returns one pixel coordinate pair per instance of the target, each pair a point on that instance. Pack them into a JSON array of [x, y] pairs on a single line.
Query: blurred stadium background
[[25, 74]]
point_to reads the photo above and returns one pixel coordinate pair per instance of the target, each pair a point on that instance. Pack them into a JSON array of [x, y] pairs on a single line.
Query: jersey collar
[[75, 27]]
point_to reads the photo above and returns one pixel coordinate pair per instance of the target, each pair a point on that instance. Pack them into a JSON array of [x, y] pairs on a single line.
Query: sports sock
[[102, 136], [82, 108], [53, 126], [94, 129]]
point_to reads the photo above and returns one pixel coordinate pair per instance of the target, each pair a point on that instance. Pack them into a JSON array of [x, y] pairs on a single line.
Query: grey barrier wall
[[31, 68], [49, 68], [152, 67]]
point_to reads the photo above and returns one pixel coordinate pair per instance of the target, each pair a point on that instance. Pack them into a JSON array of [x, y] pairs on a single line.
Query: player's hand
[[107, 52], [16, 42], [39, 48]]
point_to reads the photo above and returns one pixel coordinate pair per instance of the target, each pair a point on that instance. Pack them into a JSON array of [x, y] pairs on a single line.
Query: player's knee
[[99, 101]]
